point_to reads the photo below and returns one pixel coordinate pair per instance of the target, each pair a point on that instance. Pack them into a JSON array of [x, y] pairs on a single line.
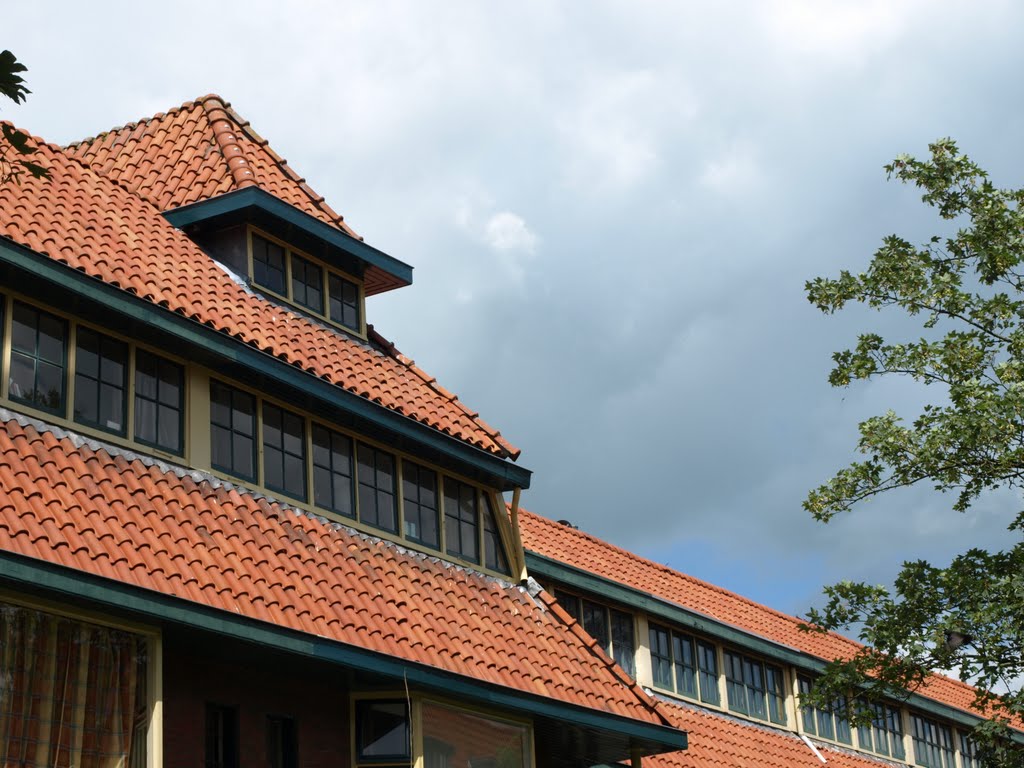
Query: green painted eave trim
[[254, 197], [34, 575], [546, 569], [192, 334]]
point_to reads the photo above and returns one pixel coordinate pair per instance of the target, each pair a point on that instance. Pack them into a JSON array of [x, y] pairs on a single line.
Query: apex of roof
[[197, 151], [97, 223]]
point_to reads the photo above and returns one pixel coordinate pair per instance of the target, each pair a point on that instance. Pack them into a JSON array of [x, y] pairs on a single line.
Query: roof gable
[[197, 151], [96, 225]]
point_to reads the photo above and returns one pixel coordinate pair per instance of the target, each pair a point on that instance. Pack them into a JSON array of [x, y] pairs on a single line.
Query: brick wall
[[258, 686]]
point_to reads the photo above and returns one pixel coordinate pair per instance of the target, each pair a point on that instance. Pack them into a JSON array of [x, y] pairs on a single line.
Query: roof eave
[[614, 591], [55, 580], [384, 272]]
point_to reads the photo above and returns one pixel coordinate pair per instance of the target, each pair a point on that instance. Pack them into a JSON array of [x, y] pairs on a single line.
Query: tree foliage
[[967, 290], [15, 146]]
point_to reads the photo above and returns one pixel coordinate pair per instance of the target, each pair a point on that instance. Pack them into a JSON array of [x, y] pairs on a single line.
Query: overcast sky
[[611, 208]]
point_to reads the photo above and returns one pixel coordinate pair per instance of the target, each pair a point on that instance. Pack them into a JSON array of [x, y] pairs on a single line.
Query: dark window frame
[[37, 359], [345, 306], [106, 348], [680, 674], [300, 269], [416, 507], [282, 742], [264, 263], [816, 721], [747, 688], [333, 470], [932, 742], [162, 364], [581, 607], [369, 456], [887, 727], [341, 295], [363, 707], [281, 449], [456, 520], [494, 555], [221, 745], [232, 431]]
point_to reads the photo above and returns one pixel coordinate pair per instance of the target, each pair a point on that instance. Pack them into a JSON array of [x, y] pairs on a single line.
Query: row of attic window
[[109, 385], [305, 283], [691, 667]]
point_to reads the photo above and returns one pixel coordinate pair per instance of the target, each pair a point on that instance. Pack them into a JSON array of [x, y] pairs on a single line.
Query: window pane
[[685, 668], [344, 302], [67, 680], [101, 381], [307, 284], [461, 524], [453, 737], [37, 362], [734, 687], [623, 643], [494, 550], [419, 493], [570, 603], [376, 488], [595, 622], [268, 264], [233, 417], [382, 730], [707, 667], [661, 661], [776, 693], [160, 402], [332, 471], [284, 451]]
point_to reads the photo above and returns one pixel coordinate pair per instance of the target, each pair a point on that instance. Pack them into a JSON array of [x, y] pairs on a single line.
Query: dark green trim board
[[55, 580], [69, 288], [548, 570], [254, 197]]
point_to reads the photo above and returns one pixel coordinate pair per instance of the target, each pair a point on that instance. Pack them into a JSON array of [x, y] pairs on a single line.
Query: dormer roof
[[203, 150], [96, 224]]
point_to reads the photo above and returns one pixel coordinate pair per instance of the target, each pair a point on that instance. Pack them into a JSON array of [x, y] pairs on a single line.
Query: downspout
[[635, 758], [517, 538]]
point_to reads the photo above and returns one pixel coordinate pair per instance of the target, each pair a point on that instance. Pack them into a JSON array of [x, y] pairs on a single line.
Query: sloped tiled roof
[[97, 511], [720, 740], [94, 224], [197, 151], [589, 553]]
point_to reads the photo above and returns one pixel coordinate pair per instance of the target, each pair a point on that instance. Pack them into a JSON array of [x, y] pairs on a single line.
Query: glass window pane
[[86, 400], [707, 666], [382, 730], [377, 488], [457, 738], [595, 622], [37, 375]]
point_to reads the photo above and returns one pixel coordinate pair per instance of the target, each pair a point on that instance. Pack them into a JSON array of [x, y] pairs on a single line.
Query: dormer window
[[301, 280]]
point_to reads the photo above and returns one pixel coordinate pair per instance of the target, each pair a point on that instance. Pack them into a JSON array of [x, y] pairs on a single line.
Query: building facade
[[237, 527]]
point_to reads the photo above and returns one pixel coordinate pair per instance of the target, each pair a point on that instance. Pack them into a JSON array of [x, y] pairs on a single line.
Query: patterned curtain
[[71, 694]]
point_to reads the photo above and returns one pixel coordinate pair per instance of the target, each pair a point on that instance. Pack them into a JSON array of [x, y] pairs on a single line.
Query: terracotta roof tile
[[91, 223], [581, 550], [196, 151], [720, 740], [209, 543]]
